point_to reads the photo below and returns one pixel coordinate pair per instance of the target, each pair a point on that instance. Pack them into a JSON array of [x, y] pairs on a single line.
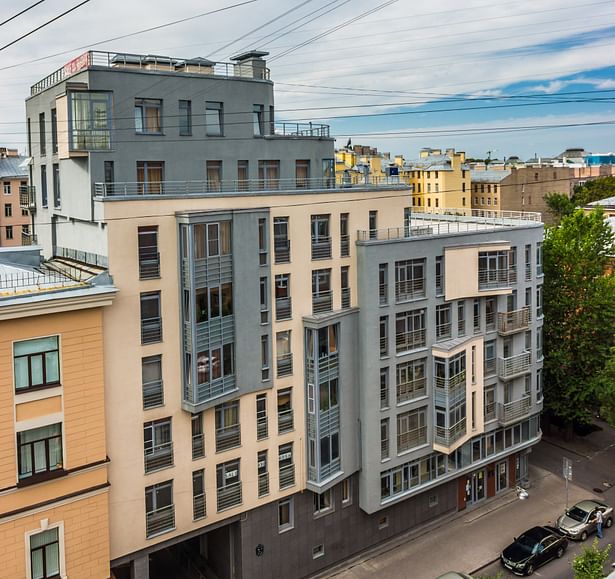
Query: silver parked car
[[579, 521]]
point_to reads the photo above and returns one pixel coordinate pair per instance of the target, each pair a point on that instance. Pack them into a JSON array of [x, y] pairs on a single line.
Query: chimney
[[251, 65]]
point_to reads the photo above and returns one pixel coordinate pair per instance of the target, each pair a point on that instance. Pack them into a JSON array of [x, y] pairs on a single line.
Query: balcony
[[321, 247], [198, 446], [383, 293], [263, 484], [28, 239], [447, 385], [158, 457], [153, 394], [199, 507], [496, 278], [514, 366], [489, 366], [448, 436], [344, 245], [287, 476], [27, 197], [283, 308], [160, 521], [409, 290], [515, 321], [490, 411], [345, 297], [281, 250], [384, 449], [410, 340], [444, 331], [229, 496], [384, 347], [151, 330], [412, 439], [285, 421], [90, 139], [228, 437], [262, 430], [515, 410], [284, 364], [322, 302]]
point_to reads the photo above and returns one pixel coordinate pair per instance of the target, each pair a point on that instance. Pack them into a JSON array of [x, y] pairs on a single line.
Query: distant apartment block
[[15, 225], [295, 368]]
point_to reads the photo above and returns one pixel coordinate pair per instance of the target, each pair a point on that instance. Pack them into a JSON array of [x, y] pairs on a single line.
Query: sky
[[490, 78]]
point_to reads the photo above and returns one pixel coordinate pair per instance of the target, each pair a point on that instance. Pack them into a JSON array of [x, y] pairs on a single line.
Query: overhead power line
[[22, 12]]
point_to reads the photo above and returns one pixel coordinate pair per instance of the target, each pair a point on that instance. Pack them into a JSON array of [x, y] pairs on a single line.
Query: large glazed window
[[45, 554], [36, 363], [148, 116], [90, 121], [39, 451]]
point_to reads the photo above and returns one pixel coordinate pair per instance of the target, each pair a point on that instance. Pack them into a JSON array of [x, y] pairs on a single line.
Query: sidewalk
[[467, 541]]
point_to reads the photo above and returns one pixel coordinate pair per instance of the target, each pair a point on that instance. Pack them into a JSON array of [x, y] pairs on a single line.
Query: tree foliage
[[579, 310], [604, 386], [560, 205], [589, 564]]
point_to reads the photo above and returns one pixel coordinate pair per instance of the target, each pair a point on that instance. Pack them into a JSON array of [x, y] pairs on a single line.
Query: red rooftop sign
[[77, 64]]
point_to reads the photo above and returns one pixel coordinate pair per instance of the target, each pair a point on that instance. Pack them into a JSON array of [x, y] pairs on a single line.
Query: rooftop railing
[[34, 281]]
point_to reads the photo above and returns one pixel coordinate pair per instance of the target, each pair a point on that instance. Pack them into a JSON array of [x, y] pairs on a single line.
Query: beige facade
[[53, 492]]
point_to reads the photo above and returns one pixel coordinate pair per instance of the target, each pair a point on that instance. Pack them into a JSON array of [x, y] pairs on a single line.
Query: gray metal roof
[[489, 176], [608, 202], [13, 167]]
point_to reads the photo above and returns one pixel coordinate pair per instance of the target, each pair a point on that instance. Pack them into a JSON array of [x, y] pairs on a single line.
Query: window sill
[[56, 389], [42, 477], [149, 134]]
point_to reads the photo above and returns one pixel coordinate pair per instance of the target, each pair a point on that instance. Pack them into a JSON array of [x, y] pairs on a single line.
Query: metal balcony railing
[[412, 389], [444, 331], [515, 410], [281, 250], [285, 421], [495, 278], [153, 394], [198, 446], [283, 308], [489, 411], [410, 340], [345, 297], [90, 139], [514, 321], [344, 245], [263, 484], [229, 496], [409, 290], [321, 247], [287, 476], [262, 429], [384, 346], [160, 521], [528, 272], [448, 436], [28, 239], [27, 197], [199, 507], [449, 384], [228, 437], [151, 330], [284, 365], [489, 366], [149, 264], [412, 439], [514, 365], [158, 457], [383, 293], [384, 449], [490, 321], [322, 302]]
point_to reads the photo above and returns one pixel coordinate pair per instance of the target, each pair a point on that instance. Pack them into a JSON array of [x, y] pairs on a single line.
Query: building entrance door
[[475, 487]]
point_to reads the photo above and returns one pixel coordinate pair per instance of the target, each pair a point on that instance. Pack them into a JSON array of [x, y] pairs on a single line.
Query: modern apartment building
[[15, 210], [53, 462], [276, 400], [438, 179]]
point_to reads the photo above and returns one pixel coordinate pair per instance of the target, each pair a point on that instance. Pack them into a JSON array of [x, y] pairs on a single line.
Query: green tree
[[593, 190], [589, 564], [604, 387], [559, 204], [579, 310]]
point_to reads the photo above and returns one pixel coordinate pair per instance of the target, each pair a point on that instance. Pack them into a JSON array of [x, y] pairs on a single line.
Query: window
[[439, 275], [269, 175], [54, 131], [243, 175], [149, 258], [344, 235], [45, 554], [228, 429], [57, 196], [346, 491], [212, 239], [384, 438], [411, 380], [262, 430], [283, 303], [328, 173], [198, 436], [286, 515], [443, 322], [42, 133], [199, 510], [228, 484], [151, 381], [411, 429], [151, 322], [284, 356], [321, 239], [323, 502], [489, 360], [150, 177], [409, 279], [263, 299], [148, 116], [36, 363], [528, 262], [39, 452], [383, 283], [384, 388], [44, 185], [214, 119], [461, 318], [489, 403], [490, 312], [263, 473], [302, 173], [285, 411], [185, 118], [157, 444], [384, 336], [539, 301], [322, 296], [109, 176], [214, 302], [281, 243], [383, 522], [539, 259], [476, 306], [159, 508], [373, 224], [493, 269], [345, 286], [215, 364], [90, 121], [286, 465], [213, 171], [318, 551], [409, 330], [264, 357], [258, 120]]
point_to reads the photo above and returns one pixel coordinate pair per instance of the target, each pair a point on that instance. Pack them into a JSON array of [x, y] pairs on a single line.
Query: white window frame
[[45, 526]]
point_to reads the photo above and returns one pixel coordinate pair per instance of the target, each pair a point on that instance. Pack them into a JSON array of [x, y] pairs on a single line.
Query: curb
[[566, 448], [479, 569]]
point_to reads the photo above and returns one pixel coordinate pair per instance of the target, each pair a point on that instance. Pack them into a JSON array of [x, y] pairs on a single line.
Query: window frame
[[61, 553], [142, 105], [48, 472], [185, 118], [29, 356]]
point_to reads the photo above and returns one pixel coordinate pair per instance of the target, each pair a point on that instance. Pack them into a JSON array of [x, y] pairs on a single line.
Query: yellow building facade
[[54, 519]]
